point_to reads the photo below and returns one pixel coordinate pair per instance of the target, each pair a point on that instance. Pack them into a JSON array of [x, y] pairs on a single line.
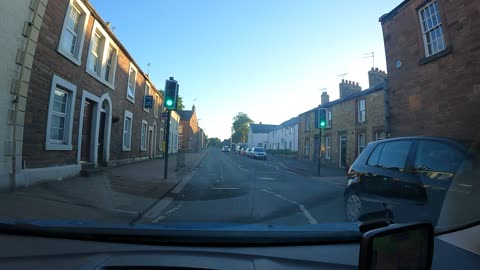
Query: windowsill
[[70, 57], [58, 147], [124, 149], [98, 78], [436, 56], [130, 99]]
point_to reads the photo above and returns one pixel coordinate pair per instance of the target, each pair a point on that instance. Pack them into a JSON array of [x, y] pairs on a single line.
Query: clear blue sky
[[266, 58]]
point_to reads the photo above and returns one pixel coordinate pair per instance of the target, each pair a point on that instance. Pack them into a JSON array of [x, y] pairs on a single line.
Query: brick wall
[[440, 97], [47, 62], [304, 135]]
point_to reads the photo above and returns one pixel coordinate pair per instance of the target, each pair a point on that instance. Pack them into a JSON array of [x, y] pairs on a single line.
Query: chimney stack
[[325, 98], [348, 87], [376, 77]]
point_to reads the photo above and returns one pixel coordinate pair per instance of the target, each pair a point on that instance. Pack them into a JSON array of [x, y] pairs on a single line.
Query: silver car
[[258, 153]]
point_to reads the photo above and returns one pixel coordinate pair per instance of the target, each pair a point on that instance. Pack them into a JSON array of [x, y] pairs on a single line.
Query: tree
[[240, 126], [213, 142]]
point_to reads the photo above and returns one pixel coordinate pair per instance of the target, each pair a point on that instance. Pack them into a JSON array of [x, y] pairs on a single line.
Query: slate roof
[[290, 122], [353, 96], [262, 128], [185, 115]]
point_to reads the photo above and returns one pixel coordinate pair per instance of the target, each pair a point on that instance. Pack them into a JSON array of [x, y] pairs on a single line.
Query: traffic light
[[171, 94], [322, 118]]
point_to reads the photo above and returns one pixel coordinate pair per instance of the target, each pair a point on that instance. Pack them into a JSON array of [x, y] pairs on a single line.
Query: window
[[327, 147], [361, 110], [147, 92], [102, 56], [73, 32], [95, 53], [307, 122], [361, 142], [127, 131], [373, 159], [329, 118], [132, 81], [143, 136], [60, 115], [291, 130], [394, 155], [380, 135], [437, 157], [433, 37]]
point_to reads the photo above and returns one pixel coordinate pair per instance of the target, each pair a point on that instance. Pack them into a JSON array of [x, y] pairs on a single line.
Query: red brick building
[[85, 104], [433, 61], [189, 132]]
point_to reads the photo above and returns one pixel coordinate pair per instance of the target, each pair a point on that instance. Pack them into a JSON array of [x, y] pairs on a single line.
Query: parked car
[[243, 151], [248, 152], [225, 148], [259, 153], [239, 147], [407, 171]]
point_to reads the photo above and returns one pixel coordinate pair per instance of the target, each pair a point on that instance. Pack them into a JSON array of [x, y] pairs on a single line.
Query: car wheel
[[353, 206]]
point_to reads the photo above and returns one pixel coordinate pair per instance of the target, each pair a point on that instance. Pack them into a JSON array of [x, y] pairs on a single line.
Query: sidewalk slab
[[115, 192], [306, 167]]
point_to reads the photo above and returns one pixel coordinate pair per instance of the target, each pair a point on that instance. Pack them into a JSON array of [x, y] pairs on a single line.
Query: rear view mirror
[[396, 246]]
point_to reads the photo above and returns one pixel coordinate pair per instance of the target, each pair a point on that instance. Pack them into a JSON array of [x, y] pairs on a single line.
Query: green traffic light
[[322, 124], [169, 102]]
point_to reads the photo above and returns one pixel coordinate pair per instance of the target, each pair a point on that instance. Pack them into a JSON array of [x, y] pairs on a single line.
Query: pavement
[[114, 194]]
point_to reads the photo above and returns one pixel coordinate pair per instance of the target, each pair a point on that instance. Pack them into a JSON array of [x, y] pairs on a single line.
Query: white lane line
[[121, 211], [224, 188], [266, 178], [168, 213], [302, 208]]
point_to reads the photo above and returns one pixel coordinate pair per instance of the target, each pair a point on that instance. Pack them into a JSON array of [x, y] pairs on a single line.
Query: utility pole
[[167, 140]]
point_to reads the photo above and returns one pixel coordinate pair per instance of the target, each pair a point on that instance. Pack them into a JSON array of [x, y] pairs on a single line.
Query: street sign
[[164, 115], [148, 102]]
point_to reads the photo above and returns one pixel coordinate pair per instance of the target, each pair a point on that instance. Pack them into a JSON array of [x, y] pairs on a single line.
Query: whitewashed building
[[19, 29], [174, 127], [284, 136], [258, 135]]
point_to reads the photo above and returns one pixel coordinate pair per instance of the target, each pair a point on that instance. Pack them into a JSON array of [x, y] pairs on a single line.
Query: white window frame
[[329, 118], [361, 111], [328, 147], [105, 45], [145, 94], [360, 146], [66, 144], [128, 147], [132, 68], [76, 57], [144, 136], [437, 29]]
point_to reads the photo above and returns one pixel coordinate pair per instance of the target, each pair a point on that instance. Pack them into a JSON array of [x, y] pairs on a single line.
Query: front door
[[101, 137], [86, 131], [343, 151], [150, 143]]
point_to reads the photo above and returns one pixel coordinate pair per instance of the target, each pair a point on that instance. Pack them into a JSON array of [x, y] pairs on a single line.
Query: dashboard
[[459, 250]]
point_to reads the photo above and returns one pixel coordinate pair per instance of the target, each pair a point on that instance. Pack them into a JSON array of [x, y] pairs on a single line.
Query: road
[[229, 188]]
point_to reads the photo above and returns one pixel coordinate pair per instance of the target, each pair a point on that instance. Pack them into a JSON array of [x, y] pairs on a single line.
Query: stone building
[[354, 120], [433, 61]]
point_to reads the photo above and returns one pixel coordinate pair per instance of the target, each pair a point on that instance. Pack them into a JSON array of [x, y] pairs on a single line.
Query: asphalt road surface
[[229, 188]]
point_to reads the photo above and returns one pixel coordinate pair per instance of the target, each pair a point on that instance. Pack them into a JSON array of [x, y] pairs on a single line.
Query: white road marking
[[121, 211], [302, 208], [266, 178], [168, 213], [224, 188]]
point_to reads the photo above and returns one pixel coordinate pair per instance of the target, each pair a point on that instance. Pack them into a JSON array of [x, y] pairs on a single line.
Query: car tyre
[[353, 206]]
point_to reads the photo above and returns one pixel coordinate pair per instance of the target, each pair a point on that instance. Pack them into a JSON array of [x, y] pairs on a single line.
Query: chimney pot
[[376, 69]]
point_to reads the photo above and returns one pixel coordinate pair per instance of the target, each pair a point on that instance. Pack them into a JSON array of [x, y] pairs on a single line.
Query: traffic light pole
[[167, 140], [319, 149]]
